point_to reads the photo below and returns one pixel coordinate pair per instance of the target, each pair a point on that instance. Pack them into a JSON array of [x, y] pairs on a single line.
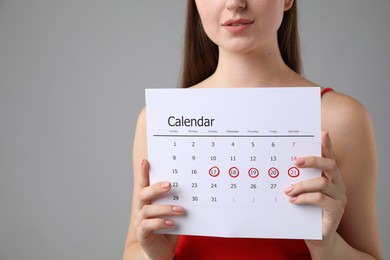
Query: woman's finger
[[321, 163], [327, 203], [149, 192], [144, 180], [151, 218], [328, 152], [327, 147], [327, 166], [146, 195], [321, 184], [158, 211], [147, 226]]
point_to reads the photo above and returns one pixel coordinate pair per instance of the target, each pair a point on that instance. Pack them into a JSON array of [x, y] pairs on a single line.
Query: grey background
[[72, 76]]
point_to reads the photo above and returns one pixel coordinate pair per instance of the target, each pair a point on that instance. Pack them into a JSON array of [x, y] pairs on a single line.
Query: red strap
[[325, 90]]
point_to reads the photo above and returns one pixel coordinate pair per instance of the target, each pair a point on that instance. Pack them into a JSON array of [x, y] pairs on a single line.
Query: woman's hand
[[154, 217], [327, 192]]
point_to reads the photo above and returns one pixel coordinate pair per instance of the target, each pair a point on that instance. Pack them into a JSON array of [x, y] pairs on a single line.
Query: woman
[[254, 43]]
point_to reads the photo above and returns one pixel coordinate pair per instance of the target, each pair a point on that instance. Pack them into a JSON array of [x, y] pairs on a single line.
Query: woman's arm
[[347, 190], [142, 242]]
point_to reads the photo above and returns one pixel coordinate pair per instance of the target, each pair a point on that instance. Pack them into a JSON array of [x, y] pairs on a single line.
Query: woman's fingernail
[[177, 209], [169, 223], [293, 199], [288, 189], [165, 184], [299, 161]]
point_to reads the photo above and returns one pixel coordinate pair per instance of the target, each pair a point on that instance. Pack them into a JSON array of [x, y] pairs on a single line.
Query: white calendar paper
[[229, 155]]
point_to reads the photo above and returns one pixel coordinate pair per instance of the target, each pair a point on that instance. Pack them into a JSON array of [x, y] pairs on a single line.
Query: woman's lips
[[237, 22], [237, 25]]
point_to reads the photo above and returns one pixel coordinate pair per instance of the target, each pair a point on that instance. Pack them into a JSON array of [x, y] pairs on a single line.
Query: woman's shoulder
[[343, 109], [141, 121], [140, 133], [142, 117], [347, 121]]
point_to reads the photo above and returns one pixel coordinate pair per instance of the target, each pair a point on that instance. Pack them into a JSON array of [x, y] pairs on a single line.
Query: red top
[[325, 90], [198, 247], [203, 248]]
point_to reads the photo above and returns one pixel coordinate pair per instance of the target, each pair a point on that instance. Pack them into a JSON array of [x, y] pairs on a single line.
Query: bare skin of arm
[[142, 242], [347, 192]]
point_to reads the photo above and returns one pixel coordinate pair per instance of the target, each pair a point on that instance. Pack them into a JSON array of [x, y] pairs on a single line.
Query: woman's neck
[[261, 69]]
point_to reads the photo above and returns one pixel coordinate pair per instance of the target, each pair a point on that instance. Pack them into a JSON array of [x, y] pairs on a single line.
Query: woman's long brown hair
[[201, 54]]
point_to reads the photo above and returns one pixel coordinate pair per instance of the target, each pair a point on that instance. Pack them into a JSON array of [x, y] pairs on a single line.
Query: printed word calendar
[[229, 154]]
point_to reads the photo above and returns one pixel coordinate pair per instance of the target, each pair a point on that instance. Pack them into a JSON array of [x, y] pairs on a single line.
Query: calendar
[[229, 154]]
